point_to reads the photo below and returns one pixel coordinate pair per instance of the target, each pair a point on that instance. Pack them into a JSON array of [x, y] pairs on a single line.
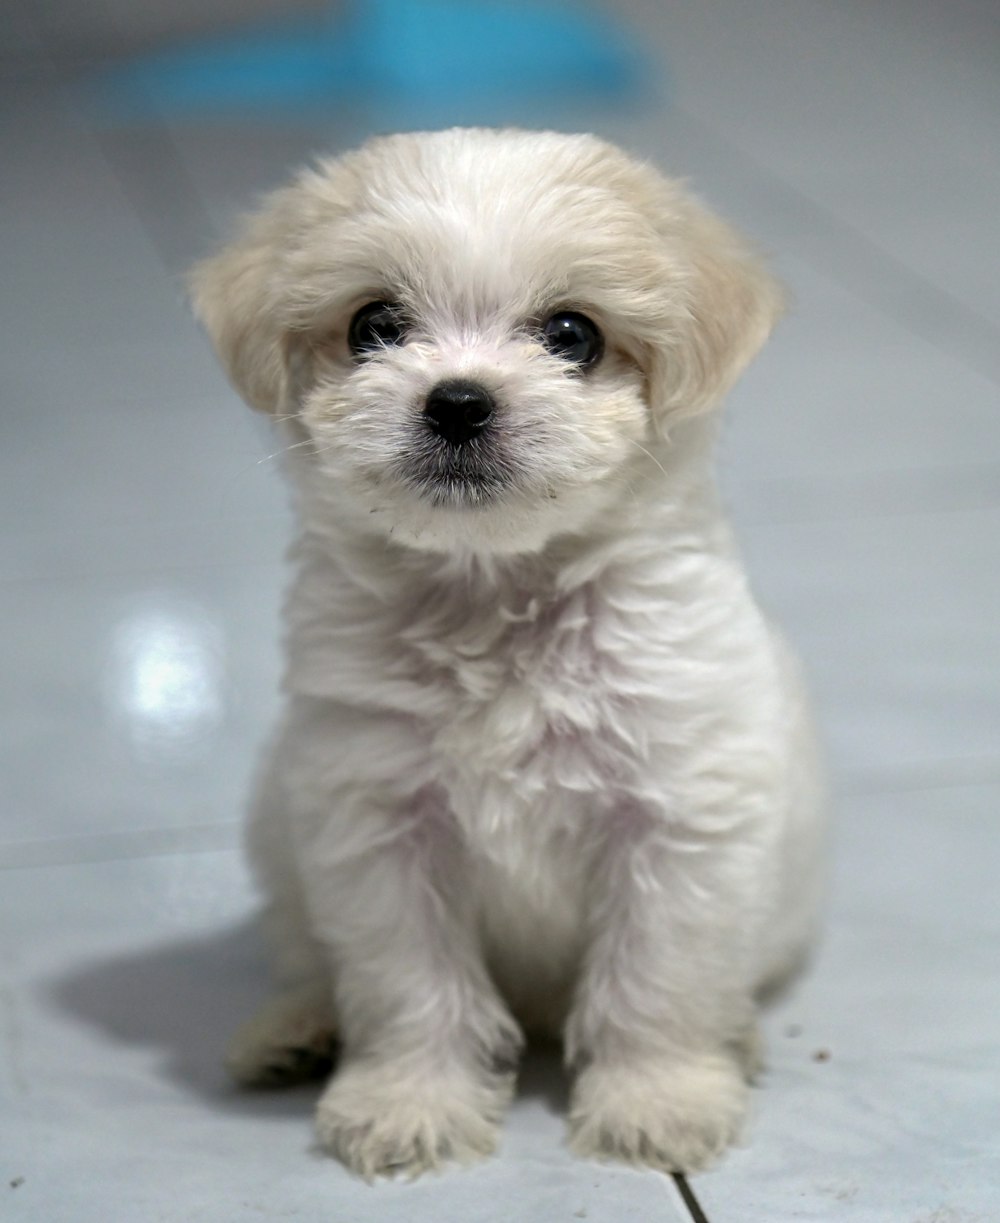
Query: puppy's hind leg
[[292, 1037], [290, 1040]]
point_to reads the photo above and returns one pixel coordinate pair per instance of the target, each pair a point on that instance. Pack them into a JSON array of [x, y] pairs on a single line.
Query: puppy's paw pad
[[675, 1116], [385, 1121], [290, 1040]]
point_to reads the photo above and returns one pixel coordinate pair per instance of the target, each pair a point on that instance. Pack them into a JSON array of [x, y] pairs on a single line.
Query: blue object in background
[[405, 60]]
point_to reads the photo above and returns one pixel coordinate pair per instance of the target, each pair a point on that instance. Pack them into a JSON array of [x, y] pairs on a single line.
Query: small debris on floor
[[822, 1055], [17, 1182]]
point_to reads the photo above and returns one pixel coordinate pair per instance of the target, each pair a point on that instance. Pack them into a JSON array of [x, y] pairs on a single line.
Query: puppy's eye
[[573, 337], [377, 325]]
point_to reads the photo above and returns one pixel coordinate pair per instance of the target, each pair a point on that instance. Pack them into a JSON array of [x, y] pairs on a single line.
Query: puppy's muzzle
[[458, 410]]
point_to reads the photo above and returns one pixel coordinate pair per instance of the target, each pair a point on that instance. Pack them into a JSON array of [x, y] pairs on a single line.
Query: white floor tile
[[898, 618], [85, 475], [843, 389], [847, 102]]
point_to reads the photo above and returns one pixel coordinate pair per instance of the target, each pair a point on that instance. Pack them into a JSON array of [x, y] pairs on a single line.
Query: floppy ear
[[236, 296], [257, 297], [729, 304]]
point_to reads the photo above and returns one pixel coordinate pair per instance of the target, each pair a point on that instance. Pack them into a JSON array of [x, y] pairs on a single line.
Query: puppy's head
[[483, 333]]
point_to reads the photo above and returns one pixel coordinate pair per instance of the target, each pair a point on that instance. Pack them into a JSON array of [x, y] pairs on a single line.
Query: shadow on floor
[[185, 999]]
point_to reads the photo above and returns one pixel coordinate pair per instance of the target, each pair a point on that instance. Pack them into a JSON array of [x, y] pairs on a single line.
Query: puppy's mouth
[[458, 477]]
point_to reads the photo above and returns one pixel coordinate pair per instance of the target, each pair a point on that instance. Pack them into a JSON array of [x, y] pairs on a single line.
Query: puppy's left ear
[[237, 297], [729, 303]]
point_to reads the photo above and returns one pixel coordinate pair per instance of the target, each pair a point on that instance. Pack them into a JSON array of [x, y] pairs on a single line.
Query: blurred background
[[142, 527]]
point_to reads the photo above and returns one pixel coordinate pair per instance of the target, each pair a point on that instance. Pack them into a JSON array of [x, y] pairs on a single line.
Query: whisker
[[294, 446], [267, 458], [651, 457]]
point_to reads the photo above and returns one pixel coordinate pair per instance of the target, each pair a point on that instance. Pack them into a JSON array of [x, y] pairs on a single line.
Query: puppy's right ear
[[237, 297]]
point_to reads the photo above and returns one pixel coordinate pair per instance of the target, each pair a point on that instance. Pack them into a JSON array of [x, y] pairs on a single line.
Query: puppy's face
[[483, 333]]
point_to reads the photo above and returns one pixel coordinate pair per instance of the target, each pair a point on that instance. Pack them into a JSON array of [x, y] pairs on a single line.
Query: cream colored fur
[[544, 764]]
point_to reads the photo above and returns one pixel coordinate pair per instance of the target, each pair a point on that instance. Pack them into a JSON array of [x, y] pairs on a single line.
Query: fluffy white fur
[[544, 764]]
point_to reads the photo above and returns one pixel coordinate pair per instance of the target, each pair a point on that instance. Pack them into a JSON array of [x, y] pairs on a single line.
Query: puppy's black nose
[[457, 410]]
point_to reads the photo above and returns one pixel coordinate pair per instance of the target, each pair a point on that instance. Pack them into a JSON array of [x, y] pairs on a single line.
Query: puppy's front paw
[[385, 1119], [677, 1116], [288, 1041]]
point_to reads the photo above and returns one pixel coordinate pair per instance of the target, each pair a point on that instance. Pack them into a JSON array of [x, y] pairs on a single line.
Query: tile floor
[[140, 572]]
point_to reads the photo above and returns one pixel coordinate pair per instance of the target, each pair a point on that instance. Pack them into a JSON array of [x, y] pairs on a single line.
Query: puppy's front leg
[[662, 1032], [427, 1043]]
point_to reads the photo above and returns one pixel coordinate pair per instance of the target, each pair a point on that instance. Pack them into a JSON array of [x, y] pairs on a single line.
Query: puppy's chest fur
[[532, 715]]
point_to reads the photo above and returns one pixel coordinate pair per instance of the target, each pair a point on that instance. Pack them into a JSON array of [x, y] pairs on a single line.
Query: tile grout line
[[179, 233], [688, 1198], [945, 488], [223, 836], [918, 776]]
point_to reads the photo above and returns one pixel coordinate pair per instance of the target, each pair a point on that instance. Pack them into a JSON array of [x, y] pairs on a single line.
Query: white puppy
[[544, 765]]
